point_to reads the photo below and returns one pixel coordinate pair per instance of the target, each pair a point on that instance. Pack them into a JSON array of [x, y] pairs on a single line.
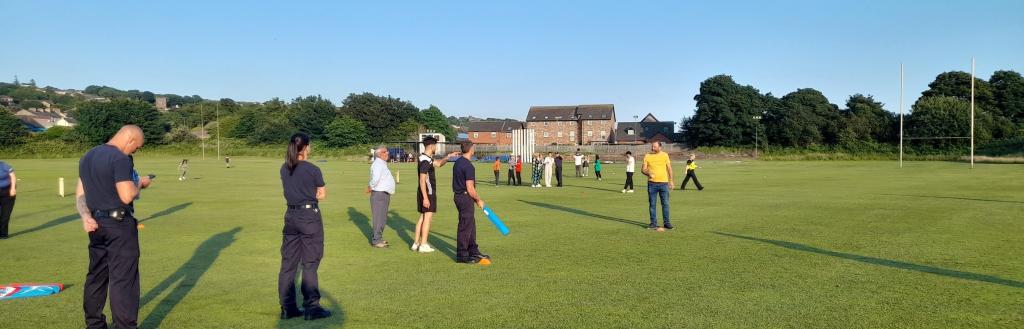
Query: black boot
[[316, 312], [290, 312]]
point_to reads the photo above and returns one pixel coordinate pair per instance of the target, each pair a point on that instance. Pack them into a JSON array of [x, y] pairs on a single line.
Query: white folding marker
[[60, 186]]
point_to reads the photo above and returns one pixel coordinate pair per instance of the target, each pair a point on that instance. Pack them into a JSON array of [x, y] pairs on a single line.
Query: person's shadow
[[403, 227], [167, 211], [361, 221], [186, 277], [583, 213], [52, 223]]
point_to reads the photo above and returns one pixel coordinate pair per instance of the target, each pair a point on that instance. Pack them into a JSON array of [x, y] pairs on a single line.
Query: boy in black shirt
[[426, 193], [464, 186]]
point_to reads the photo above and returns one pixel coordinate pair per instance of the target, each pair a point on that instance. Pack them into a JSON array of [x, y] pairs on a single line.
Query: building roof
[[644, 131], [596, 112], [494, 126], [551, 113]]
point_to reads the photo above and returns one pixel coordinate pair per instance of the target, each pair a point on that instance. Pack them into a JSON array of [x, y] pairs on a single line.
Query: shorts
[[419, 203]]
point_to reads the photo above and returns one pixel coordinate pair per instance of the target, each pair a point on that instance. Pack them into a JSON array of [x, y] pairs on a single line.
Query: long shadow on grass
[[167, 211], [885, 262], [952, 197], [404, 226], [187, 276], [47, 225], [362, 222], [592, 188], [337, 319], [583, 213]]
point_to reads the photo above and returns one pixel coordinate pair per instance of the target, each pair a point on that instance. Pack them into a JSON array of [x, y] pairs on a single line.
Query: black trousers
[[302, 245], [629, 181], [113, 267], [511, 177], [466, 239], [691, 174], [558, 175], [597, 173], [6, 207], [497, 176], [519, 178]]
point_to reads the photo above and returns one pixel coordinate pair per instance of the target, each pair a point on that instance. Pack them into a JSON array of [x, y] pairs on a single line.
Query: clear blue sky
[[489, 59]]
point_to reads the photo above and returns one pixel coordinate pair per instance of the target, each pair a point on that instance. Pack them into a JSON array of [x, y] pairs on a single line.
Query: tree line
[[361, 118], [730, 114]]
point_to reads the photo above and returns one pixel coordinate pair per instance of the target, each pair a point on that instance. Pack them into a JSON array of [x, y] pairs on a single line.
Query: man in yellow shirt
[[658, 169]]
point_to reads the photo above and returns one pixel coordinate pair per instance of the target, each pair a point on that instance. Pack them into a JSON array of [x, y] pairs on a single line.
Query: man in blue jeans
[[658, 169]]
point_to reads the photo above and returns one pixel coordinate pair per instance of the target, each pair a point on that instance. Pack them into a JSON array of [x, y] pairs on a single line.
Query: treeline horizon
[[731, 115]]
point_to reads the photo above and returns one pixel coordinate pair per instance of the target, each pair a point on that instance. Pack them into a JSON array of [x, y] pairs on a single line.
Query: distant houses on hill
[[593, 124]]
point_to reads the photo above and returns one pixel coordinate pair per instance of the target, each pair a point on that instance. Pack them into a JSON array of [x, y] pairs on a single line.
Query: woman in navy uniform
[[303, 242]]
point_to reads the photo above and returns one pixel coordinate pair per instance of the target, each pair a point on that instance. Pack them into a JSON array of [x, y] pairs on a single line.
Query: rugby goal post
[[971, 137]]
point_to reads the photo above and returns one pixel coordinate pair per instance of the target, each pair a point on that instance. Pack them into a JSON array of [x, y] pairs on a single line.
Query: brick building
[[492, 132], [572, 125], [650, 129]]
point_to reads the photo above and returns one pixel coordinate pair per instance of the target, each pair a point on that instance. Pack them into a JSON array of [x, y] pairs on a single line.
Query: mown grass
[[767, 244]]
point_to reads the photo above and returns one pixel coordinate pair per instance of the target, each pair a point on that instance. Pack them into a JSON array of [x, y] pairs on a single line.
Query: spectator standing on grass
[[519, 170], [303, 242], [426, 193], [691, 172], [537, 161], [586, 165], [497, 170], [511, 170], [104, 199], [464, 186], [630, 169], [8, 194], [381, 188], [549, 169], [558, 168], [183, 170], [597, 166], [578, 161], [658, 169]]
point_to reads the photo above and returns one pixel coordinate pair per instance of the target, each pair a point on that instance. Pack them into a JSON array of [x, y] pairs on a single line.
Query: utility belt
[[117, 214], [304, 206]]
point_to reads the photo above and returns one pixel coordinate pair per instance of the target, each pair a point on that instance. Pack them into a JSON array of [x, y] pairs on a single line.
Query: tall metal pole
[[202, 130], [218, 131], [972, 112], [901, 115]]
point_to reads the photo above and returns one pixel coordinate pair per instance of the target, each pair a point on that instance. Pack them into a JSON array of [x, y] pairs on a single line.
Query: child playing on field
[[691, 172]]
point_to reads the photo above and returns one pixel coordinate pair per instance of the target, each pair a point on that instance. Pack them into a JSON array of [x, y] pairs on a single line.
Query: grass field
[[767, 244]]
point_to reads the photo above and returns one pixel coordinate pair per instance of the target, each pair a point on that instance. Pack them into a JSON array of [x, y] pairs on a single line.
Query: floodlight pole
[[972, 112], [218, 131], [202, 131], [901, 115], [756, 126]]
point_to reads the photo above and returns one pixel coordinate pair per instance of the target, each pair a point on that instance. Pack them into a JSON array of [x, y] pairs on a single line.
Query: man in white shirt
[[578, 160], [381, 187], [549, 168], [630, 169]]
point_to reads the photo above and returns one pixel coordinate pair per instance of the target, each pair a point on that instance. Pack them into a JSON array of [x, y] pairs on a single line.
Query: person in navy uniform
[[464, 186], [303, 242], [8, 194], [104, 199]]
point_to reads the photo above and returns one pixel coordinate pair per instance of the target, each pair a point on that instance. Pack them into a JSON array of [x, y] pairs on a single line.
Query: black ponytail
[[298, 142]]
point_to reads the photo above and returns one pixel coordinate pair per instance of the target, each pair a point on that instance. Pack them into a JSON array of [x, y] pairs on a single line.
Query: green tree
[[803, 118], [433, 119], [12, 132], [958, 84], [865, 119], [405, 131], [312, 114], [346, 131], [381, 114], [98, 121], [1008, 93], [273, 129], [725, 113]]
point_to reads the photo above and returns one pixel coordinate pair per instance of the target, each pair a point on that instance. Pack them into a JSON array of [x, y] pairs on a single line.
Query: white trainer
[[426, 248], [415, 247]]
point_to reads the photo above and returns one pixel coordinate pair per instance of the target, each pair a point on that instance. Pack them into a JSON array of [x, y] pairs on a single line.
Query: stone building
[[492, 132], [573, 124]]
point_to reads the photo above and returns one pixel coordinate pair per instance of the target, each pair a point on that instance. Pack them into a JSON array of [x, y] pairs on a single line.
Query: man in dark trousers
[[691, 172], [8, 194], [104, 201], [464, 186], [558, 169]]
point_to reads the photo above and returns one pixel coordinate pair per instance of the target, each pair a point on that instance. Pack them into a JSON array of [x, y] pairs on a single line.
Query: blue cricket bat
[[495, 220], [25, 290]]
